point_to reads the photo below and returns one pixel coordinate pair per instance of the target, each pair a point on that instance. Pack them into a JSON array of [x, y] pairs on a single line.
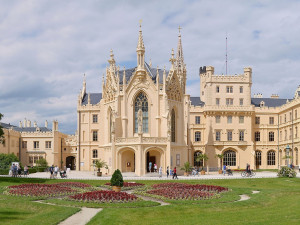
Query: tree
[[117, 179], [186, 167], [1, 131], [201, 157], [220, 156], [41, 163], [6, 160]]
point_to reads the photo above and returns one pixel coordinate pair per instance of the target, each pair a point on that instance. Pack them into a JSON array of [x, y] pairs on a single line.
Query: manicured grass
[[277, 203]]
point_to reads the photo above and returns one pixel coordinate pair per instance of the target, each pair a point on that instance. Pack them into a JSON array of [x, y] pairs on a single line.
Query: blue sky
[[47, 46]]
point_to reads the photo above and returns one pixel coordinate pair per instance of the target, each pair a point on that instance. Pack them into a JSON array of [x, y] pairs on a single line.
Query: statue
[[140, 121]]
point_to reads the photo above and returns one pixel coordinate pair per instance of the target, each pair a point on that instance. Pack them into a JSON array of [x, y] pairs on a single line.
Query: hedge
[[4, 171]]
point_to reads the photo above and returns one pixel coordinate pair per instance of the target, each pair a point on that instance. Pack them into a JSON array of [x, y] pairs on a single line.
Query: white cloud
[[46, 46]]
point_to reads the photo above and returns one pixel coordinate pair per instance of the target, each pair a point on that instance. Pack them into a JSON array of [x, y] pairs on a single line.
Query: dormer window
[[262, 104]]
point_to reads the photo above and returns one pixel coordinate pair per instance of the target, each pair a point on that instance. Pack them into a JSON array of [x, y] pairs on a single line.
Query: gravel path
[[82, 217]]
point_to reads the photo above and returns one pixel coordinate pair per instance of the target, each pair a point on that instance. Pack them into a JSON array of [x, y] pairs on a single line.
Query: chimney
[[54, 125], [25, 123], [274, 96], [28, 123], [46, 123], [35, 124], [259, 95]]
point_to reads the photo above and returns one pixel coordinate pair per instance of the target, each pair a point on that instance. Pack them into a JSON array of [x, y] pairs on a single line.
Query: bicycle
[[246, 174]]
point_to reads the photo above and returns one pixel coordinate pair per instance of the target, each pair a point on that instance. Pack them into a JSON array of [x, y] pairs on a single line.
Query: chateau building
[[31, 143], [145, 115]]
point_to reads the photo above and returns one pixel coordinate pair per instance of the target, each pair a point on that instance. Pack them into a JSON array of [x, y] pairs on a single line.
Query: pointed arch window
[[173, 126], [141, 101]]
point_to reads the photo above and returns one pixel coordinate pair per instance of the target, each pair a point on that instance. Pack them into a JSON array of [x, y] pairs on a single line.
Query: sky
[[47, 46]]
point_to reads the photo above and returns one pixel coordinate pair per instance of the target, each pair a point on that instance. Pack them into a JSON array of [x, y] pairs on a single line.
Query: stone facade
[[33, 143], [223, 120]]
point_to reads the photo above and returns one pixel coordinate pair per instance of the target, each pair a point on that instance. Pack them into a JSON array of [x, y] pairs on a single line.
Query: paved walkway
[[89, 175]]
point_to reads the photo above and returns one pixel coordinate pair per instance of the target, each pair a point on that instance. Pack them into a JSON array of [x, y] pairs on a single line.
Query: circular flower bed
[[104, 196], [181, 191], [47, 190]]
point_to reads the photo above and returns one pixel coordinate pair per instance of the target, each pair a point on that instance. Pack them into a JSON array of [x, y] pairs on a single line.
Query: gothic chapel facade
[[141, 116]]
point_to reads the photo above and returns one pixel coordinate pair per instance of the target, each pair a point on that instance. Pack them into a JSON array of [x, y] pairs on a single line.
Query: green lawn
[[277, 203]]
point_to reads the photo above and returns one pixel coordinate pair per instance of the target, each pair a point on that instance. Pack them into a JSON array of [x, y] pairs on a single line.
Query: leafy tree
[[117, 179], [41, 163], [1, 131], [7, 159]]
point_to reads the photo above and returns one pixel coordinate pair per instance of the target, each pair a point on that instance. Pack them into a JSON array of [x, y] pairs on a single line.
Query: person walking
[[175, 173], [150, 166], [15, 170], [51, 171], [56, 169], [155, 168], [160, 172], [168, 172], [224, 169], [25, 170]]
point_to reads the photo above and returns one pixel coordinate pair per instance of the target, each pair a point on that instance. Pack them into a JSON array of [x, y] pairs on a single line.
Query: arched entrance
[[70, 162], [200, 163], [257, 159], [153, 156], [127, 160]]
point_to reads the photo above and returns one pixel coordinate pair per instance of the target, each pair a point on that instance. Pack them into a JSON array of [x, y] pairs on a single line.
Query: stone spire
[[179, 57], [140, 50], [112, 62], [172, 59]]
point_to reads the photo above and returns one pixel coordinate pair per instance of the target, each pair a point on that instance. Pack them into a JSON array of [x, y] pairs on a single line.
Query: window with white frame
[[95, 118], [257, 120], [218, 135], [229, 119], [229, 101], [36, 144], [24, 144], [48, 144], [95, 153], [218, 119], [271, 158], [229, 158], [241, 101], [177, 159], [258, 158], [271, 120], [229, 135], [229, 89], [197, 136], [271, 136], [95, 135], [241, 89], [217, 101], [241, 119], [241, 135], [197, 119], [257, 136]]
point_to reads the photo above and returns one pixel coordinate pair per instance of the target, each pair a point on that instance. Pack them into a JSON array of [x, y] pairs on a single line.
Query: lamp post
[[287, 154]]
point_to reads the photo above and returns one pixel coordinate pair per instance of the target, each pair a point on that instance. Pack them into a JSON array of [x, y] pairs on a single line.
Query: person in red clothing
[[175, 173]]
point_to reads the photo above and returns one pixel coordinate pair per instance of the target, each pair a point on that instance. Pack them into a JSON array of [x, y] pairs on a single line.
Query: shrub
[[117, 179], [32, 170], [7, 159], [286, 172], [4, 171], [42, 163]]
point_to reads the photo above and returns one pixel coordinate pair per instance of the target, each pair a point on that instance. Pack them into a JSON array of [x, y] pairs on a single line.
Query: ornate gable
[[173, 87]]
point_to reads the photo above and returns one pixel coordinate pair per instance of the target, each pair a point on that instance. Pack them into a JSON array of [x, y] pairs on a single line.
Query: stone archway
[[70, 162], [126, 160], [153, 156]]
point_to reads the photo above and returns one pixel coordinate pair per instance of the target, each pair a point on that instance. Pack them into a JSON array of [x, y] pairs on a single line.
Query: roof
[[152, 72], [24, 129], [94, 97], [269, 102], [196, 101]]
